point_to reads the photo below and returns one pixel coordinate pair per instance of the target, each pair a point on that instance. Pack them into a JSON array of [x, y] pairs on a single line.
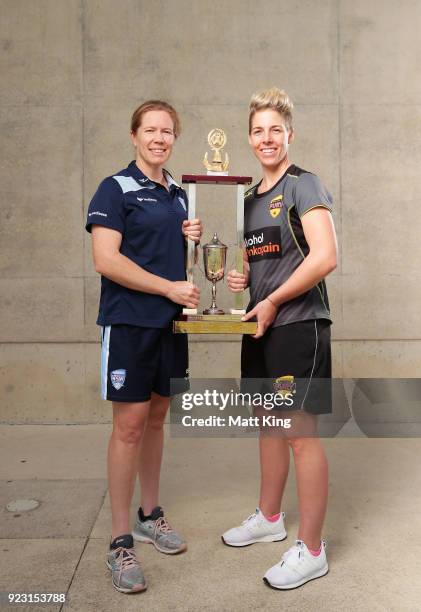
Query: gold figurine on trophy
[[217, 140]]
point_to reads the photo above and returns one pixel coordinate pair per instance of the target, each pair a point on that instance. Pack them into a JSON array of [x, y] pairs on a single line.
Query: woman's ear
[[133, 139]]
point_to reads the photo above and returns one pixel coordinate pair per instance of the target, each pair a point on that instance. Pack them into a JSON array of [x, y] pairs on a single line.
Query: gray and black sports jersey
[[276, 245]]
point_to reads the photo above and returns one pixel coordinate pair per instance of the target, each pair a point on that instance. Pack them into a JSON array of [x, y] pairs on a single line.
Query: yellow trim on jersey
[[302, 254], [318, 206]]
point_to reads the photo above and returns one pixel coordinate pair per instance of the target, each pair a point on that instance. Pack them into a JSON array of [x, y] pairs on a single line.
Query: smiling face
[[154, 139], [270, 138]]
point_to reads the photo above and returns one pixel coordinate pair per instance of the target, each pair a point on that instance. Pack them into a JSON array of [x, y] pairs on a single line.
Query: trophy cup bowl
[[214, 260]]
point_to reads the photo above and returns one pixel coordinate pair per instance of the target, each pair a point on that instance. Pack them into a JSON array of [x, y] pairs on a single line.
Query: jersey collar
[[289, 170], [137, 173], [170, 180]]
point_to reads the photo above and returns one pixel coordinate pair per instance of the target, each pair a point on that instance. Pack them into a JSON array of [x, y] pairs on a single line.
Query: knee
[[130, 432], [297, 445], [156, 420], [304, 445]]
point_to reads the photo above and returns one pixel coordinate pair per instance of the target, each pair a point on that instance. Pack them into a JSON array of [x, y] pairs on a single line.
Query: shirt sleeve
[[107, 207], [311, 193]]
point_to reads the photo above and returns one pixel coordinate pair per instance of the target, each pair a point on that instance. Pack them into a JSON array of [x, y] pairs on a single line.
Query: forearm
[[310, 272], [125, 272]]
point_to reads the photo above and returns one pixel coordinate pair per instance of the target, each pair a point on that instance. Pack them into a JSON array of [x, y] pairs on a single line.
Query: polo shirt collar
[[170, 180], [137, 173]]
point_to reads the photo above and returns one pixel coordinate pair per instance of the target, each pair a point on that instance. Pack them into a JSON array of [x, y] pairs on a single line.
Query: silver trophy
[[214, 259]]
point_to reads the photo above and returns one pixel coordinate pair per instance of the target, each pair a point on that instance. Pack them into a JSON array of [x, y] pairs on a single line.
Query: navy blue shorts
[[136, 361]]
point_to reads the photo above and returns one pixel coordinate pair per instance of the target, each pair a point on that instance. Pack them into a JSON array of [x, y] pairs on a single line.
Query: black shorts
[[292, 358], [136, 361]]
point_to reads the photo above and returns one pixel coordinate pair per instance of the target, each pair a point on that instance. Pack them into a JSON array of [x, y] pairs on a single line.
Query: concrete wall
[[73, 72]]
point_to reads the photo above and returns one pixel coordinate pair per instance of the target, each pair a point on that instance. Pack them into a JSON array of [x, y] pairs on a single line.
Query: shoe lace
[[250, 518], [253, 521], [163, 525], [293, 554], [126, 559]]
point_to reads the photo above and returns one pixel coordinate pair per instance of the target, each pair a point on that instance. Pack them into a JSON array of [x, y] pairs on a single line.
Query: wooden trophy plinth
[[213, 324]]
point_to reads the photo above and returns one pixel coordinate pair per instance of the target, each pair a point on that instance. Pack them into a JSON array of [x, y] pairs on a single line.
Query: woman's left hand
[[265, 312], [192, 229]]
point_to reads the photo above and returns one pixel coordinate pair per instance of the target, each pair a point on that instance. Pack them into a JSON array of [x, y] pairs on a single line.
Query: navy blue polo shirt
[[149, 217]]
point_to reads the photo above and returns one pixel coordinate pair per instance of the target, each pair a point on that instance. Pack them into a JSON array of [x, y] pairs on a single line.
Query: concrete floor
[[373, 525]]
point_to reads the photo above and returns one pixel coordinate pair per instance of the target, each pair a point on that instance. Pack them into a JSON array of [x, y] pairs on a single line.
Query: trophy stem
[[214, 308], [213, 295]]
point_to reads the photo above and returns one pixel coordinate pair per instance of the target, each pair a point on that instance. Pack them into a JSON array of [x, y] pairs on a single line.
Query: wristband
[[272, 302]]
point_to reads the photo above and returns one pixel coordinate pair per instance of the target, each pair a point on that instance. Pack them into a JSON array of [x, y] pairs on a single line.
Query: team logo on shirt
[[275, 206], [285, 385], [263, 243], [117, 378], [147, 200]]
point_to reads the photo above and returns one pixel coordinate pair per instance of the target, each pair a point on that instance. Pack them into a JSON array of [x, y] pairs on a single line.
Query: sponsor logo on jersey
[[147, 200], [96, 212], [275, 206], [285, 385], [117, 378], [263, 243]]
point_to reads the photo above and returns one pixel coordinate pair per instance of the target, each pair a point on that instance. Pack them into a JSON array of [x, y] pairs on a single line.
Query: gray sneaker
[[125, 569], [157, 531]]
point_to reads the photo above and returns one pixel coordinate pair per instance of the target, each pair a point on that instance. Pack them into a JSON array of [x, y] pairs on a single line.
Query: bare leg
[[151, 453], [312, 486], [129, 423], [274, 467]]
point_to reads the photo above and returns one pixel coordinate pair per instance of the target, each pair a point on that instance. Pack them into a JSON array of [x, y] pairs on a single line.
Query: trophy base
[[213, 324], [213, 311]]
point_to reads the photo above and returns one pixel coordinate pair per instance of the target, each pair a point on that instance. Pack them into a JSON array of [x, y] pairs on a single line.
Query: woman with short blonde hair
[[289, 212]]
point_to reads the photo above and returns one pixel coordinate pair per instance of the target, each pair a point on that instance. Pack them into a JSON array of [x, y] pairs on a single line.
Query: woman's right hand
[[237, 281], [184, 293]]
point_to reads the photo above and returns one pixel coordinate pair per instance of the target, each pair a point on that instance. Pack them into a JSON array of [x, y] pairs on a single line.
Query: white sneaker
[[297, 567], [256, 528]]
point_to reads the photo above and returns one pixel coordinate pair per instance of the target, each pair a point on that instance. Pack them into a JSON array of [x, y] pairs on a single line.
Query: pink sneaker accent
[[273, 518], [316, 553]]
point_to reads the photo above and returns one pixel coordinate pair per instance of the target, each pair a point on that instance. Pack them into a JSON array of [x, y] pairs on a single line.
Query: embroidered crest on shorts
[[275, 206], [117, 378], [285, 385]]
